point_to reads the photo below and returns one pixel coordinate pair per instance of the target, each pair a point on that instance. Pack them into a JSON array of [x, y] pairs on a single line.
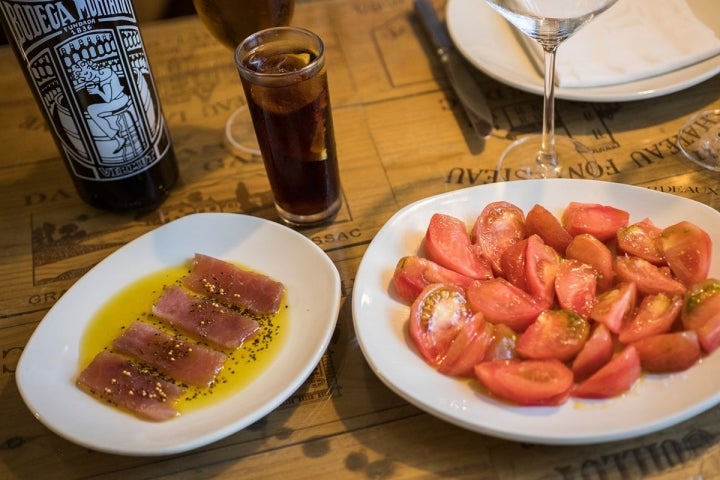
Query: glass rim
[[251, 43]]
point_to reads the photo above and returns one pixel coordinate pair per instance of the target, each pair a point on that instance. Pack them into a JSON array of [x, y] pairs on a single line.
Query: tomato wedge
[[669, 352], [614, 306], [436, 317], [468, 348], [503, 303], [527, 382], [590, 250], [647, 277], [701, 313], [655, 315], [499, 225], [575, 286], [687, 249], [447, 243], [615, 377], [503, 344], [596, 352], [541, 266], [600, 221], [513, 264], [539, 220], [642, 239], [709, 334], [412, 274], [556, 334]]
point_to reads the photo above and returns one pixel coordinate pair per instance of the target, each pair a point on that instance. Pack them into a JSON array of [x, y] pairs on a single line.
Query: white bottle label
[[87, 62]]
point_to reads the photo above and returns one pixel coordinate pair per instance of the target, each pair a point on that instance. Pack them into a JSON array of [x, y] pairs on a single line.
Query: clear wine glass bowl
[[230, 22], [699, 139], [549, 23]]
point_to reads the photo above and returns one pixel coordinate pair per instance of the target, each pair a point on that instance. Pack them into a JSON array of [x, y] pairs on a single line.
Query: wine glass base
[[240, 136], [699, 139], [521, 160]]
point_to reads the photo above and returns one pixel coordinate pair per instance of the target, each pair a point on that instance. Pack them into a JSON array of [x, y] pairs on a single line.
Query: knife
[[466, 88]]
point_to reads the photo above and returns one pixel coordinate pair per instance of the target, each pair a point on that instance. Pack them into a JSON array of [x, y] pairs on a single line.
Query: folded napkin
[[636, 39]]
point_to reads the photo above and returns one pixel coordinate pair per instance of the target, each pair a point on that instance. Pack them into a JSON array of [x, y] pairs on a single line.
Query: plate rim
[[361, 294], [142, 445], [529, 80]]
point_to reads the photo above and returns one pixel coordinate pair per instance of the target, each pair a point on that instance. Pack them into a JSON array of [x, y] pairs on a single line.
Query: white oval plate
[[490, 44], [380, 320], [48, 366]]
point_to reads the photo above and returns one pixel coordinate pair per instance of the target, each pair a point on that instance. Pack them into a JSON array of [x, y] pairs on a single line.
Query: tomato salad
[[540, 308]]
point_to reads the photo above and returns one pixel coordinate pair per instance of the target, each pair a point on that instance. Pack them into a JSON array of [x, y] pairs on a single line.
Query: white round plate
[[655, 402], [48, 366], [491, 44]]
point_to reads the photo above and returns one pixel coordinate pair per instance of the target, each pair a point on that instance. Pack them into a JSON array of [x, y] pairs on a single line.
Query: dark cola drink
[[87, 68], [285, 82]]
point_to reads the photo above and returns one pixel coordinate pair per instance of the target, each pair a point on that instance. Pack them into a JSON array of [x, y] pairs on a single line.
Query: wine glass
[[699, 139], [230, 22], [549, 23]]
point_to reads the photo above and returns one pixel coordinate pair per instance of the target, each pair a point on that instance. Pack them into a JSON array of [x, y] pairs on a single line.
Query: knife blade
[[466, 88]]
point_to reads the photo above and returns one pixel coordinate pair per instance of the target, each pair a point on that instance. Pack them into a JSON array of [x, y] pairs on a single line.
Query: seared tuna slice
[[125, 384], [203, 318], [230, 284], [173, 355]]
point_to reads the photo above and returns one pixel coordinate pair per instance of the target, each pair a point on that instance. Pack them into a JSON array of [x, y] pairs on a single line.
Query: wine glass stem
[[547, 155]]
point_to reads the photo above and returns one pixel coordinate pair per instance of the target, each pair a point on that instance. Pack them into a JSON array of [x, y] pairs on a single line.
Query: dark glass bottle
[[86, 65]]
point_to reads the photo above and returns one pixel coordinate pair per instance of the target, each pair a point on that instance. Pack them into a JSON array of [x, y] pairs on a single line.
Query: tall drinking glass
[[284, 77], [230, 22], [549, 23]]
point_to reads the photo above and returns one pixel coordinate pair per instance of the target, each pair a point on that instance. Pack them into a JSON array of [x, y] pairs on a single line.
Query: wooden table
[[401, 137]]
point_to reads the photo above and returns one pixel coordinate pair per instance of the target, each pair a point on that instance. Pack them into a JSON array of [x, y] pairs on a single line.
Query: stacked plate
[[674, 57]]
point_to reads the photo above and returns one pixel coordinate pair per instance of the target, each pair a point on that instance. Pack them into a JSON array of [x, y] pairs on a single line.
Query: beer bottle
[[86, 65]]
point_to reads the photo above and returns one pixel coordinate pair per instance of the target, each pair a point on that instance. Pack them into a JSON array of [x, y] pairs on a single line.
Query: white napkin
[[636, 39]]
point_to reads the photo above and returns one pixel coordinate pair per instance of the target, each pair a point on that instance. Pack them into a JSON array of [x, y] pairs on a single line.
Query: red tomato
[[541, 266], [590, 250], [503, 344], [468, 348], [558, 334], [436, 317], [447, 243], [701, 313], [575, 286], [412, 274], [687, 250], [503, 303], [614, 378], [709, 334], [513, 264], [597, 352], [542, 222], [614, 306], [642, 239], [498, 226], [527, 382], [669, 352], [655, 315], [648, 277], [600, 221]]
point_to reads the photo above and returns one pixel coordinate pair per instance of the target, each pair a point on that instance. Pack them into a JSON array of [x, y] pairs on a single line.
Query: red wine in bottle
[[85, 63]]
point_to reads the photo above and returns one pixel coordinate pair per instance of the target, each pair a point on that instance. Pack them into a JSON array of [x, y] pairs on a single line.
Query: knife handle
[[435, 29]]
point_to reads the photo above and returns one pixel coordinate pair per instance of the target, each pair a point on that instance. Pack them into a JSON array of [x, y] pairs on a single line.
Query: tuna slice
[[230, 284], [173, 355], [204, 318], [123, 383]]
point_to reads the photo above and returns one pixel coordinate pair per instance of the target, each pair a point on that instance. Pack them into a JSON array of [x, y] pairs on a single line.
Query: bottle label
[[87, 62]]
